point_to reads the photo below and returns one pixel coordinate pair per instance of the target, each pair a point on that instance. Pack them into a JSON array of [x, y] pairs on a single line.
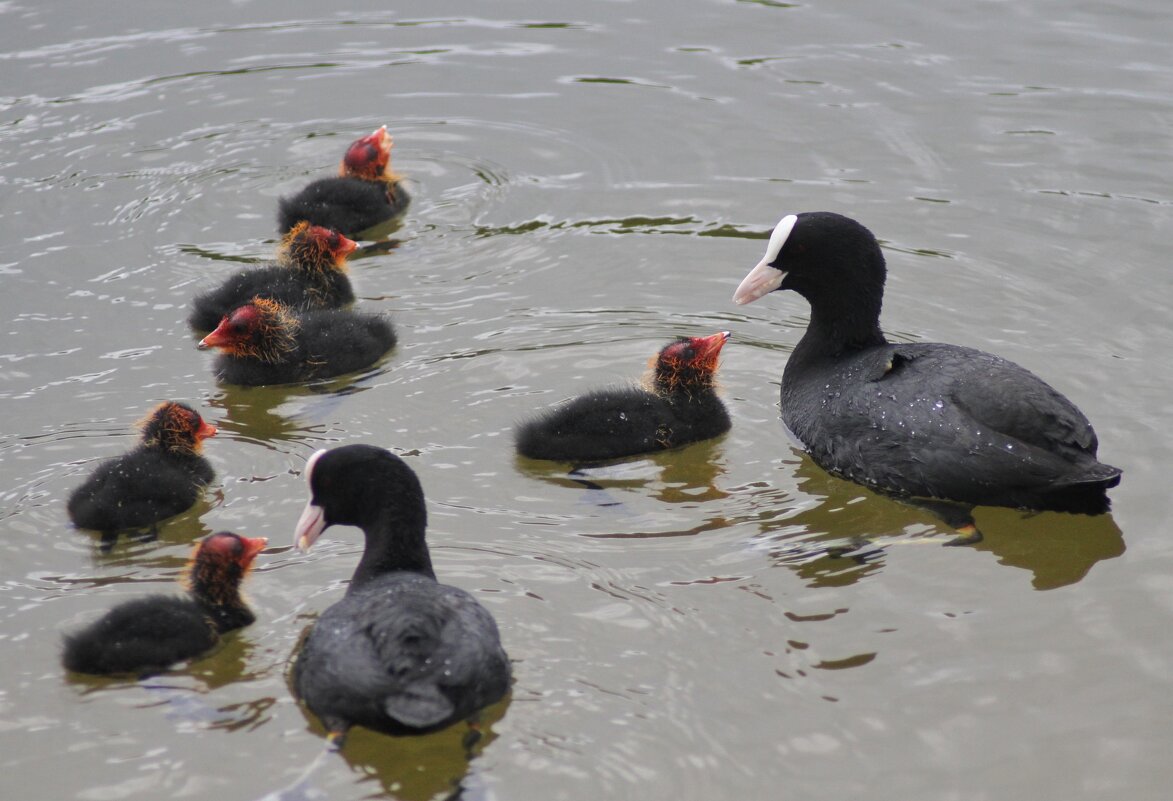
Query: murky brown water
[[591, 180]]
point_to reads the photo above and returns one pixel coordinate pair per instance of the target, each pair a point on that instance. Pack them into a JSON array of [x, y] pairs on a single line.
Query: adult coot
[[149, 634], [266, 342], [680, 407], [310, 273], [928, 421], [400, 653], [162, 476], [365, 193]]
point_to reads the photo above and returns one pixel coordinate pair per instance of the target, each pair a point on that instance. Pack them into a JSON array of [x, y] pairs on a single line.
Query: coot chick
[[365, 193], [160, 477], [400, 653], [149, 634], [680, 407], [266, 342], [310, 273], [926, 420]]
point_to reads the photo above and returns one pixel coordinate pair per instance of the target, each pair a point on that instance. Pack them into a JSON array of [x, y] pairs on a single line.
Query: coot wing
[[406, 646], [996, 394], [969, 425]]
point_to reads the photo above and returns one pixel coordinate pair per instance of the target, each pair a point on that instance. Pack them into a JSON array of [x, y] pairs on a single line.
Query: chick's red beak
[[382, 140], [708, 348], [205, 430], [216, 339], [345, 246], [252, 547]]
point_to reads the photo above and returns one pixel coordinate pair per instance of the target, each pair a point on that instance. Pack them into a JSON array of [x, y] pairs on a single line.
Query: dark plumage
[[681, 407], [265, 342], [400, 653], [925, 420], [162, 476], [310, 273], [365, 193], [149, 634]]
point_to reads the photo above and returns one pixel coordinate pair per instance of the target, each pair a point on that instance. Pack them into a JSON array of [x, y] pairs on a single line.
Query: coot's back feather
[[416, 655], [153, 633], [139, 488], [348, 205], [943, 421], [274, 282]]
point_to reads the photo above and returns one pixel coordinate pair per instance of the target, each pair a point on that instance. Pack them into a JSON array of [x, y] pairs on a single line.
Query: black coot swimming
[[149, 634], [680, 407], [365, 193], [310, 273], [160, 477], [400, 653], [266, 342], [928, 420]]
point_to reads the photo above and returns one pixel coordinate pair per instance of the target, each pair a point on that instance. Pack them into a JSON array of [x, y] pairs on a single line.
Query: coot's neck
[[219, 597], [682, 383], [230, 618], [394, 542], [845, 317]]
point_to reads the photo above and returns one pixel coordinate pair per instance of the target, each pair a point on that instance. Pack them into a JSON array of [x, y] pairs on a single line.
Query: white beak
[[310, 526], [761, 280]]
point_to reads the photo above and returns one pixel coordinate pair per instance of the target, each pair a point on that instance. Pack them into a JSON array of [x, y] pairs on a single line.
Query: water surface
[[590, 180]]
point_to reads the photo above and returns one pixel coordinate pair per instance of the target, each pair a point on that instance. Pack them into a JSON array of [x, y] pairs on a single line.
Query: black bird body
[[400, 653], [160, 477], [138, 488], [349, 205], [365, 193], [147, 635], [622, 421], [942, 421], [924, 420], [278, 346], [310, 273], [680, 407]]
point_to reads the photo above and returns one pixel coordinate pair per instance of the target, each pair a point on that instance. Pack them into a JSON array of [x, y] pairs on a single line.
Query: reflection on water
[[681, 475], [686, 477], [842, 532], [1058, 549], [113, 548], [408, 768]]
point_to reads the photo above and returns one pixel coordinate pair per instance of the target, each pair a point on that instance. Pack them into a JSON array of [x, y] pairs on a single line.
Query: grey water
[[590, 180]]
